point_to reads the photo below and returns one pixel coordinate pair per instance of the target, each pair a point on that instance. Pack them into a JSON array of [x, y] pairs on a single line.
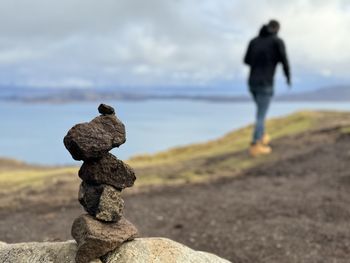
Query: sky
[[138, 43]]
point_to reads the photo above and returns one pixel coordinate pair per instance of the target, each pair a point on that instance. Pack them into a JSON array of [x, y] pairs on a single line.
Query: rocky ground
[[291, 209]]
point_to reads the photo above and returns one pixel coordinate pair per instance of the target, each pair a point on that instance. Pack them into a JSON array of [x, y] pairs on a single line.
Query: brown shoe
[[266, 139], [259, 149]]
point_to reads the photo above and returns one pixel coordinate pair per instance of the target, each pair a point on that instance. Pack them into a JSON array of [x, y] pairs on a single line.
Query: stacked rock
[[104, 228]]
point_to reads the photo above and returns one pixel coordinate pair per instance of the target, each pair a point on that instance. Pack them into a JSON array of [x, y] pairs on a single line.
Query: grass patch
[[225, 156], [345, 130], [11, 180], [231, 142]]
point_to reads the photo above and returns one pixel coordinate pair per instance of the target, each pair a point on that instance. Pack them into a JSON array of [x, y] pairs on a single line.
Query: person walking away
[[263, 54]]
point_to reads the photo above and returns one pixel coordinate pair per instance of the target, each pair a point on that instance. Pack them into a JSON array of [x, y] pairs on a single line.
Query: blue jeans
[[262, 100]]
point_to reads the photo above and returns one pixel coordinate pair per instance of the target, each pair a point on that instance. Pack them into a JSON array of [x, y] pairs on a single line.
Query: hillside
[[226, 156], [291, 206], [177, 165]]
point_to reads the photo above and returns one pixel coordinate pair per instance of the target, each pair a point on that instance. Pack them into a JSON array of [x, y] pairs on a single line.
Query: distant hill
[[341, 93], [30, 95]]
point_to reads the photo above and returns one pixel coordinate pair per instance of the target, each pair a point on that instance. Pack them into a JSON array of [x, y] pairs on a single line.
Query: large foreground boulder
[[53, 252], [140, 250], [159, 250]]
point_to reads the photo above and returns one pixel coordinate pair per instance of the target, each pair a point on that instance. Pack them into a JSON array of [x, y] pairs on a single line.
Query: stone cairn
[[104, 228]]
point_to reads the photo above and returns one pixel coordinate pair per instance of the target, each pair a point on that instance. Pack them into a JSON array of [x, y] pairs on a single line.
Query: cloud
[[156, 42]]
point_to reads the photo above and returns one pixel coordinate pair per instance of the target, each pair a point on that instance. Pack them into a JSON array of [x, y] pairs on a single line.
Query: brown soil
[[295, 209]]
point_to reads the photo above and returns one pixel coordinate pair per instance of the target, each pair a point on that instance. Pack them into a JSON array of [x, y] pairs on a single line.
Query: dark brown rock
[[105, 109], [96, 238], [92, 140], [101, 201], [108, 170]]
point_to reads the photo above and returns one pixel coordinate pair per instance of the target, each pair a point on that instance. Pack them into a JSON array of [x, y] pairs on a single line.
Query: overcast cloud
[[91, 43]]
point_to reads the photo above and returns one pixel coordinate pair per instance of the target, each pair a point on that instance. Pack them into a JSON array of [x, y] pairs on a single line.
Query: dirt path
[[294, 210]]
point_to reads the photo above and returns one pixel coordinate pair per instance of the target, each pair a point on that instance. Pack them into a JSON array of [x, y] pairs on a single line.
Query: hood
[[264, 31]]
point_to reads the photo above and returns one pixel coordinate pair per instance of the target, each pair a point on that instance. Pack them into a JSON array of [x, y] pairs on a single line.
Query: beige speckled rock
[[46, 252], [101, 201], [158, 250], [141, 250]]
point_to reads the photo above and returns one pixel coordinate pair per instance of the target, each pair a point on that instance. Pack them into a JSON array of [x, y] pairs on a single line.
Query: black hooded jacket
[[264, 53]]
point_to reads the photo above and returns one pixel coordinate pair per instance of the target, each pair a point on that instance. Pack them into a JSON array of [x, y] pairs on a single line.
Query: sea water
[[34, 132]]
